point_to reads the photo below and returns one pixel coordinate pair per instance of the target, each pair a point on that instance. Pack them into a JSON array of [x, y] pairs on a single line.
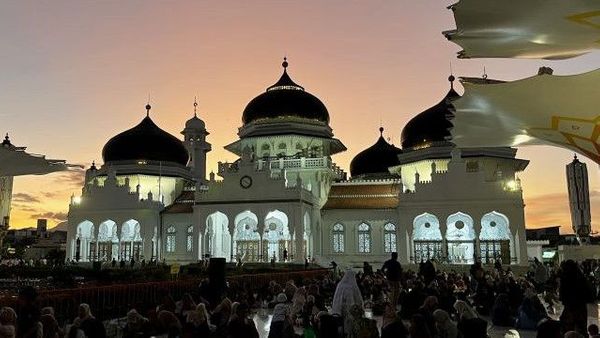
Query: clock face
[[246, 182]]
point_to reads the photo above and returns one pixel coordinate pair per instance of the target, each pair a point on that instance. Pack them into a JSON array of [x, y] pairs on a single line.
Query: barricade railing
[[113, 301]]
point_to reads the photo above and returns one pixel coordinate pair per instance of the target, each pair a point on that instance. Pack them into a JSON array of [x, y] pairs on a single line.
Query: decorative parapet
[[278, 164]]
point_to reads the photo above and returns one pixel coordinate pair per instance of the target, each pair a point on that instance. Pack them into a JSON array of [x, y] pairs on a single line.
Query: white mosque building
[[151, 198]]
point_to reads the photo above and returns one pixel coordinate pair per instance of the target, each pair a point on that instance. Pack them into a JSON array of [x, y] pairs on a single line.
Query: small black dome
[[146, 141], [431, 126], [285, 99], [376, 159]]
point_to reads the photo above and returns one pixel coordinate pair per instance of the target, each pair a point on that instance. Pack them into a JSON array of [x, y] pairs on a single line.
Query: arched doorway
[[246, 239], [84, 248], [108, 241], [131, 240], [427, 238], [276, 236], [460, 238], [218, 236], [495, 238]]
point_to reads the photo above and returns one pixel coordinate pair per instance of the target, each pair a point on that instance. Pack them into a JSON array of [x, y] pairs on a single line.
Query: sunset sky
[[75, 73]]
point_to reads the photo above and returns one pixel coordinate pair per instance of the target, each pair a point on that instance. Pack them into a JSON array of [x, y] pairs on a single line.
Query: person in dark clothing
[[575, 292], [419, 328], [426, 311], [327, 326], [240, 325], [28, 314], [501, 313], [285, 255], [428, 272], [393, 272], [113, 263], [549, 329], [395, 329]]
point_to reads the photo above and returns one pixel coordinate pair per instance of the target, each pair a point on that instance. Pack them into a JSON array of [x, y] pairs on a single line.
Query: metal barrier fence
[[108, 302]]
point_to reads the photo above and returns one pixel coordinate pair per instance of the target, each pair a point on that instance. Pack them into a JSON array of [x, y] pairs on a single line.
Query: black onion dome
[[146, 141], [285, 99], [376, 159], [431, 126]]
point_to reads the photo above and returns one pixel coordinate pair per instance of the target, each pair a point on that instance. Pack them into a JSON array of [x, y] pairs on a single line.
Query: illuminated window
[[170, 239], [338, 238], [190, 239], [364, 238], [389, 238]]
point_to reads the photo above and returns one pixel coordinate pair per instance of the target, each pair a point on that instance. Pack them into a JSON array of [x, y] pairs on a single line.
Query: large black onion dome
[[431, 126], [376, 159], [285, 99], [146, 141]]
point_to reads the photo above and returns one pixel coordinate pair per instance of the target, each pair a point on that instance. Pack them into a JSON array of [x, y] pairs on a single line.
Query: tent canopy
[[540, 29]]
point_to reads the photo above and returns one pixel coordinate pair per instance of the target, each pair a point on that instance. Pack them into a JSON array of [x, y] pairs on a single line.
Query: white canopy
[[542, 109], [14, 161], [544, 29]]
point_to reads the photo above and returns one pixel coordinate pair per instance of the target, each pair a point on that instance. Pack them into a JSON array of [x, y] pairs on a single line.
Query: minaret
[[579, 199], [195, 141]]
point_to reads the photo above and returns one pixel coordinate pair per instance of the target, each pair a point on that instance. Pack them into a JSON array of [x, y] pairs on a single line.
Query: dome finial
[[195, 106], [148, 107], [6, 141], [381, 131], [284, 63]]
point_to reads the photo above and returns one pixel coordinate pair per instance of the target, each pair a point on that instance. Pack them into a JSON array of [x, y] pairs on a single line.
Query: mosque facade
[[285, 198]]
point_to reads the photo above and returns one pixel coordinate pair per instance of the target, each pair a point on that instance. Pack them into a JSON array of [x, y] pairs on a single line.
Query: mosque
[[151, 198]]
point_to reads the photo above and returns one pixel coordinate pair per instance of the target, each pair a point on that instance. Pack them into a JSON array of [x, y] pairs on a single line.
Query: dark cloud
[[22, 197], [55, 216]]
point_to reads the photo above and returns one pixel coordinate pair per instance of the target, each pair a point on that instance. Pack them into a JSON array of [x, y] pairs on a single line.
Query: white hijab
[[346, 294]]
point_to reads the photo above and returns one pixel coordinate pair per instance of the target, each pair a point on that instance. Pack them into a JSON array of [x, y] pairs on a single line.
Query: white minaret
[[195, 141], [579, 199]]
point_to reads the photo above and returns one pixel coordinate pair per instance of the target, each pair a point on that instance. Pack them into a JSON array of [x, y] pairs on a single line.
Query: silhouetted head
[[395, 256]]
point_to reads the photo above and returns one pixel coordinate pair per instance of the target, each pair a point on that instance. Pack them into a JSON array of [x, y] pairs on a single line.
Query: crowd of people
[[428, 303]]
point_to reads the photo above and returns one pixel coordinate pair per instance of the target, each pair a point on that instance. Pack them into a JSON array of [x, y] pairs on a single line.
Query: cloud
[[22, 197], [73, 177], [55, 216], [553, 209]]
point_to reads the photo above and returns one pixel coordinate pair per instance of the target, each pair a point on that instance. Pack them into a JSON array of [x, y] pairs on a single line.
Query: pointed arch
[[495, 238], [131, 240], [426, 238], [364, 238], [337, 236], [84, 248], [460, 238], [389, 237], [246, 239], [277, 239], [218, 236], [108, 241]]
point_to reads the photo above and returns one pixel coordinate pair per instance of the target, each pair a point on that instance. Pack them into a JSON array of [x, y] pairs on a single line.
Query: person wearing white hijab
[[346, 294]]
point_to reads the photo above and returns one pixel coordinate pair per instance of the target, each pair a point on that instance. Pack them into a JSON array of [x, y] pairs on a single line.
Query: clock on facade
[[246, 182]]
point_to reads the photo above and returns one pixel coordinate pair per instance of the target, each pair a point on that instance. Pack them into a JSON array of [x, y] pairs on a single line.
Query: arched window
[[282, 146], [190, 239], [338, 238], [389, 238], [364, 238], [171, 239]]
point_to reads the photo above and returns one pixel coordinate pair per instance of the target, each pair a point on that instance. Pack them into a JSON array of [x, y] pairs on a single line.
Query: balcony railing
[[277, 164]]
